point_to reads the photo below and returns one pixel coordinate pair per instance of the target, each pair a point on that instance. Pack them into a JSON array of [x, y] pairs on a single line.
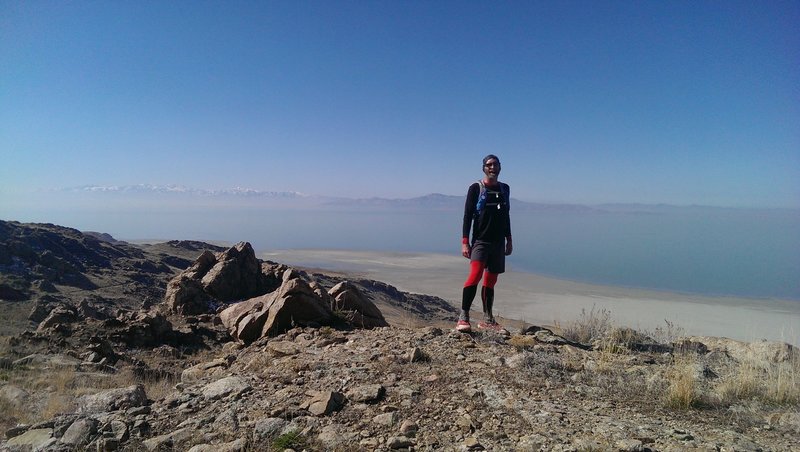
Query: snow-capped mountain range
[[436, 201], [181, 189]]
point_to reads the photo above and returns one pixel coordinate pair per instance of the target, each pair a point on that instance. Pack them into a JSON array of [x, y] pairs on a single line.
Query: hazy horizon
[[709, 251], [167, 196]]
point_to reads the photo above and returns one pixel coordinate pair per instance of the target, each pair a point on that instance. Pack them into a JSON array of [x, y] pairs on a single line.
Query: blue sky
[[584, 101]]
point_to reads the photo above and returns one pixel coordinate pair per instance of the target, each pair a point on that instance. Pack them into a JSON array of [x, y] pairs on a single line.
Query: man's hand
[[466, 251], [509, 247]]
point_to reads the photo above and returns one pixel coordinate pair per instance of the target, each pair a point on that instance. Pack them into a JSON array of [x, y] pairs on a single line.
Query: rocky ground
[[153, 364]]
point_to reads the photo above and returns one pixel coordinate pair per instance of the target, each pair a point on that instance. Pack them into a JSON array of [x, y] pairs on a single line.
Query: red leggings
[[475, 270]]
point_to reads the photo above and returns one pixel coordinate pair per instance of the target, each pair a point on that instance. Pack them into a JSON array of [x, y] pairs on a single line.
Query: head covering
[[489, 157]]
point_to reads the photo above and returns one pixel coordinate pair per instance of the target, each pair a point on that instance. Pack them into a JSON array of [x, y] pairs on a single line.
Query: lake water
[[745, 253]]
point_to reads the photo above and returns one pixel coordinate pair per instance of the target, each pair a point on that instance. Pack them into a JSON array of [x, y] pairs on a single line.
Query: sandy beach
[[543, 300]]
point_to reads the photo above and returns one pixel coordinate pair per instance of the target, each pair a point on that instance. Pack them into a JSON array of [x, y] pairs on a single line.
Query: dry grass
[[684, 386], [783, 383], [403, 318], [11, 415], [667, 334], [55, 391], [522, 342], [5, 347], [757, 379], [743, 383], [259, 362], [754, 379], [588, 327], [57, 404], [13, 319], [155, 388], [48, 395]]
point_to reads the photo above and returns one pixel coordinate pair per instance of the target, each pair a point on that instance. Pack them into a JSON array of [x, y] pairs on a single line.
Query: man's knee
[[490, 280], [475, 271]]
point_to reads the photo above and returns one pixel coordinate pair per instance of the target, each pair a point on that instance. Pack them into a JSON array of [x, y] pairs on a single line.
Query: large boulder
[[236, 275], [33, 439], [14, 395], [80, 432], [201, 266], [43, 306], [294, 303], [59, 316], [113, 399], [185, 296], [245, 320], [357, 309], [142, 329], [224, 387]]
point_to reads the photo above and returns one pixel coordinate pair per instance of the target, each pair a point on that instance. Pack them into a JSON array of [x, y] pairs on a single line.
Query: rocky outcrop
[[231, 275], [300, 303], [143, 329], [186, 296], [43, 266], [52, 253], [58, 318], [235, 275], [768, 351]]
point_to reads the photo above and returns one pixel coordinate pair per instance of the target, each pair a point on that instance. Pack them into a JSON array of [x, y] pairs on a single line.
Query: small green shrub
[[289, 440]]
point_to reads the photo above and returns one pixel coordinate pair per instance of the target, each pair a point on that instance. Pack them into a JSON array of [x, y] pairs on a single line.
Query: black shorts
[[493, 254]]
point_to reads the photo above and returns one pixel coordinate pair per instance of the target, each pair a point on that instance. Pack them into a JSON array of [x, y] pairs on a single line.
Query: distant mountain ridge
[[181, 189], [428, 201]]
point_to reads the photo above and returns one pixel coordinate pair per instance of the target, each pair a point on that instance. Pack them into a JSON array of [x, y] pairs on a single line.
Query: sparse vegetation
[[289, 440], [667, 334], [760, 380], [589, 326], [683, 391], [342, 315], [687, 382], [522, 342], [541, 363], [54, 391]]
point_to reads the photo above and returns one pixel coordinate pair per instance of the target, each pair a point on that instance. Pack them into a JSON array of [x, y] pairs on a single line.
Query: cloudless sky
[[693, 102]]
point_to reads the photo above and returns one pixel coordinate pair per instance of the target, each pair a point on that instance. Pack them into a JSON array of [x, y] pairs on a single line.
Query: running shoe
[[463, 326], [492, 325]]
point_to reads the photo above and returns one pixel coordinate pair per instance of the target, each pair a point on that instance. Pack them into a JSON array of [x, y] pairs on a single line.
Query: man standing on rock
[[486, 212]]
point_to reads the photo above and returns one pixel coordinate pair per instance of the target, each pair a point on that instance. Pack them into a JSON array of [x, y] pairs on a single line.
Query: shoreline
[[545, 300]]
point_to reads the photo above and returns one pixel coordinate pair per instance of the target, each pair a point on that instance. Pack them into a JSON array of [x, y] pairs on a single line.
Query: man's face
[[491, 169]]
